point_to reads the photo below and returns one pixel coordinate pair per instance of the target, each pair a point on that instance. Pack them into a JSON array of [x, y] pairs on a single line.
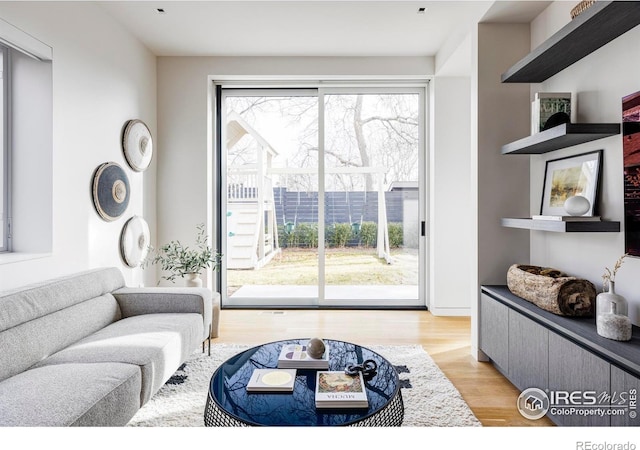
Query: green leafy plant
[[307, 235], [338, 234], [368, 234], [396, 235], [288, 236], [179, 260]]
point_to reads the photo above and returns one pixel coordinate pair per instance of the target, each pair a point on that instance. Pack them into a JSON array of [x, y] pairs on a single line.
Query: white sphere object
[[577, 205]]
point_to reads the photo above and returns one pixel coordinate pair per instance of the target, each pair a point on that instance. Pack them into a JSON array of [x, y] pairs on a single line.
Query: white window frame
[[322, 88], [35, 218], [5, 159]]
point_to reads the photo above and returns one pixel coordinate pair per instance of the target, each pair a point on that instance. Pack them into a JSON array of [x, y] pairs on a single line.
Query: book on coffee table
[[295, 356], [336, 389], [272, 380]]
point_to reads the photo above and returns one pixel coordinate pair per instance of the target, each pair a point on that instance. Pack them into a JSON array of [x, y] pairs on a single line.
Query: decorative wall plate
[[137, 145], [110, 191], [134, 241]]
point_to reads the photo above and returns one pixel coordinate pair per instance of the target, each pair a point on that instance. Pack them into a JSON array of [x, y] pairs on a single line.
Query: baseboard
[[450, 311]]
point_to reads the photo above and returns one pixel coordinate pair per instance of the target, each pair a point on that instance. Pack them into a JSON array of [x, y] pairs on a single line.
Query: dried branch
[[609, 275]]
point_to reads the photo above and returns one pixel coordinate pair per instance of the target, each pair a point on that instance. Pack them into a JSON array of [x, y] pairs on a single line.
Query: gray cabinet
[[494, 336], [562, 356], [573, 369], [624, 391], [528, 352]]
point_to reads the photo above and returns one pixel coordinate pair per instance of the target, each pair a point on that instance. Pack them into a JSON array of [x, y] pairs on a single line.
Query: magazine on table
[[336, 389], [272, 380]]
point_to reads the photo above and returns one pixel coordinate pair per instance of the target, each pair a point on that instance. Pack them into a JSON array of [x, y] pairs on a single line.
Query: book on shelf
[[295, 356], [569, 218], [336, 389], [272, 380], [546, 104]]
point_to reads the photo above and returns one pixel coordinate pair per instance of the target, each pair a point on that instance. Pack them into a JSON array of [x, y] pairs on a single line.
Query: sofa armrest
[[152, 300]]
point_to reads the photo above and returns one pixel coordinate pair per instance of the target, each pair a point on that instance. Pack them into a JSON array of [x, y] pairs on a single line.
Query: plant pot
[[193, 280]]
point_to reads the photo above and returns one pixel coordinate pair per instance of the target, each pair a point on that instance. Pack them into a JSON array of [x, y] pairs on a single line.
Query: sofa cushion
[[24, 304], [157, 343], [28, 343], [40, 319], [104, 394], [149, 300]]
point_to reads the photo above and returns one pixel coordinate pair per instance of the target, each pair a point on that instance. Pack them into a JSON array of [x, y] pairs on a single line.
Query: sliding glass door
[[323, 197], [372, 163]]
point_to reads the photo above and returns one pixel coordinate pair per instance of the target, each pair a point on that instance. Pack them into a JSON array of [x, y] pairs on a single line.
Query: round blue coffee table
[[229, 403]]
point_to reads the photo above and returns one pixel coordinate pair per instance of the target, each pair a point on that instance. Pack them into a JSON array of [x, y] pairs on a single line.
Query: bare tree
[[373, 130], [368, 130]]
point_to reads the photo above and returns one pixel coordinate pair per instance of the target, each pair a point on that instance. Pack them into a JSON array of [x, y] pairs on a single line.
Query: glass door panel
[[372, 163], [271, 210]]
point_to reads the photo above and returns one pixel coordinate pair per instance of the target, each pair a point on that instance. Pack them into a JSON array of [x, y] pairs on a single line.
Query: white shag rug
[[430, 399]]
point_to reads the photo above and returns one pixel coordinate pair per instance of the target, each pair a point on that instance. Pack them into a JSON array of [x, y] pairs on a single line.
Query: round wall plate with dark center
[[111, 191], [137, 145], [134, 241]]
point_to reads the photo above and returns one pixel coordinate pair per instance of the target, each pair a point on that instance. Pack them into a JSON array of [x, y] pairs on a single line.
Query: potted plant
[[183, 262]]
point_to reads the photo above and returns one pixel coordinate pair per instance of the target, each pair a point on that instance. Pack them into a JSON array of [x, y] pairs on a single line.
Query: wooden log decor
[[552, 290]]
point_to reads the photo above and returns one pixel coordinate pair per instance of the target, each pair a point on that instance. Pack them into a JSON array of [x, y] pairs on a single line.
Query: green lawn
[[359, 266]]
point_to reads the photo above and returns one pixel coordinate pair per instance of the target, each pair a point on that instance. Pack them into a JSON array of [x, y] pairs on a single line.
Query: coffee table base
[[391, 415]]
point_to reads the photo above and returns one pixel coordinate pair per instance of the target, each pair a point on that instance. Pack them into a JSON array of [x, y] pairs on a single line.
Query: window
[[4, 155], [26, 104]]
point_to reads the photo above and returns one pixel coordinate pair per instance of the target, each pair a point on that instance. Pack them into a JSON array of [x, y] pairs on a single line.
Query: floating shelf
[[562, 227], [593, 28], [564, 135]]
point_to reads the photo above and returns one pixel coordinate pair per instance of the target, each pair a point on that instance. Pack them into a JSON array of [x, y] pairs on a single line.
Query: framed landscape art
[[570, 176]]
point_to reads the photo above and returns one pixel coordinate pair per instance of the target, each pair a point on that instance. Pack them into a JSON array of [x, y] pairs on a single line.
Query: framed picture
[[566, 177]]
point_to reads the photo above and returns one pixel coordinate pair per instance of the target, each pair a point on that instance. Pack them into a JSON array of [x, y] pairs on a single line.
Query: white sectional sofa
[[85, 350]]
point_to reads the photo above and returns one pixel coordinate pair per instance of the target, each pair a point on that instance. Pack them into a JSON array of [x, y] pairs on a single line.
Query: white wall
[[185, 158], [102, 77], [451, 230], [185, 117], [501, 115], [600, 80]]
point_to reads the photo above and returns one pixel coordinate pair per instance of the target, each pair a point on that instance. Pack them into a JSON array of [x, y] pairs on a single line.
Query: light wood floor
[[447, 339]]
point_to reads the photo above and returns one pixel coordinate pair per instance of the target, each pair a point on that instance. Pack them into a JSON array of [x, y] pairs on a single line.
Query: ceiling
[[309, 28]]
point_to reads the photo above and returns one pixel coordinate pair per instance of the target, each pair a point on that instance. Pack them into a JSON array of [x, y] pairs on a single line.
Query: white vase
[[193, 280], [612, 319]]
